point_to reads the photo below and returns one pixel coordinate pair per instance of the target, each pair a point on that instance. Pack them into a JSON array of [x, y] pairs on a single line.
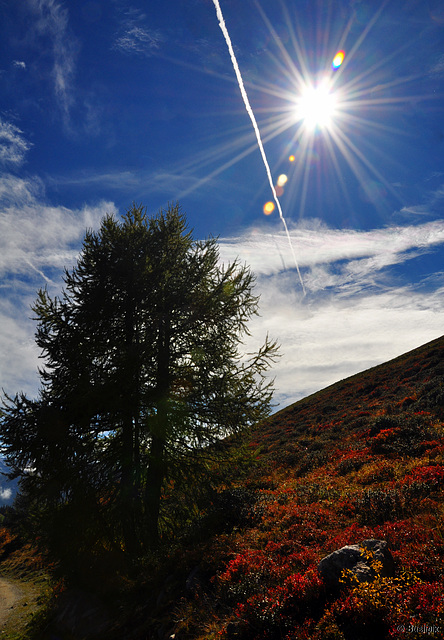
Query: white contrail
[[256, 128]]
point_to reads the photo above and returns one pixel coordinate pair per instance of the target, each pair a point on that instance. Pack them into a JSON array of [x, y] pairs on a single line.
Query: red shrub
[[432, 475], [284, 606]]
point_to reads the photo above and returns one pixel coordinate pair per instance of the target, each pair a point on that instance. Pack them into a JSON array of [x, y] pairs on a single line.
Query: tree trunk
[[153, 490], [157, 466], [128, 497], [130, 442]]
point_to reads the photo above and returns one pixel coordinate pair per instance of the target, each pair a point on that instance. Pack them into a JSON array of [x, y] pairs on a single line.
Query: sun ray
[[307, 151], [339, 174], [296, 74], [354, 166], [353, 95], [370, 166], [365, 123], [362, 37], [371, 70], [343, 143], [352, 138]]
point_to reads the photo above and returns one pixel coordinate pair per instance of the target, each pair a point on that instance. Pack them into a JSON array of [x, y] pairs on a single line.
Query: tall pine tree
[[142, 366]]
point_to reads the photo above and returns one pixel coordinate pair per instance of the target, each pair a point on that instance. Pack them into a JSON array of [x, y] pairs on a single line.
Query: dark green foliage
[[232, 508], [345, 466], [311, 460], [381, 423], [403, 434], [432, 395], [142, 375], [375, 506]]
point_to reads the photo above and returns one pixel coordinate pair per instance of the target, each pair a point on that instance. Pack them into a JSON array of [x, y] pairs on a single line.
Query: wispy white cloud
[[38, 236], [13, 146], [18, 191], [53, 22], [438, 68], [414, 210], [432, 205], [315, 244], [139, 40], [18, 352], [169, 184], [355, 315], [328, 338], [19, 64], [135, 36], [37, 241]]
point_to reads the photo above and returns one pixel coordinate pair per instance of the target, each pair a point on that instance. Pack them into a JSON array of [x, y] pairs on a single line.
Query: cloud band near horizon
[[355, 315]]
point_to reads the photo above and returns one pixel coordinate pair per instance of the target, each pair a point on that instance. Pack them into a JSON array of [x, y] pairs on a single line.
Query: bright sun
[[316, 106]]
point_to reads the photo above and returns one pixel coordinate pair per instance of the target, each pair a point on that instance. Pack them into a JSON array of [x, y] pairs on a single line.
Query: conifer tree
[[142, 365]]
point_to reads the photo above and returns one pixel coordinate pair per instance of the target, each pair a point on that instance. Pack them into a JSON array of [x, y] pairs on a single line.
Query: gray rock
[[353, 557]]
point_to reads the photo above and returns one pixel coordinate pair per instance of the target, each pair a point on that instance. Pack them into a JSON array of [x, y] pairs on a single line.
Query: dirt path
[[10, 594]]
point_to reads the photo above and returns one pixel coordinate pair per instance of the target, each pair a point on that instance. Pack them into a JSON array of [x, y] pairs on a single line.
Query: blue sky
[[106, 103]]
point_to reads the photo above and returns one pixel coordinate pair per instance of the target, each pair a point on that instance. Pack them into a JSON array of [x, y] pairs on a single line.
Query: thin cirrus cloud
[[355, 316], [139, 40], [316, 244], [34, 235], [52, 21], [135, 36], [438, 68], [13, 146], [39, 237], [37, 241], [333, 337]]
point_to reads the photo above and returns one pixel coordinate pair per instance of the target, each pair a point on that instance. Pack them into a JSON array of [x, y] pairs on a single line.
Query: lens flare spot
[[292, 158], [338, 60], [282, 180], [279, 191], [269, 208]]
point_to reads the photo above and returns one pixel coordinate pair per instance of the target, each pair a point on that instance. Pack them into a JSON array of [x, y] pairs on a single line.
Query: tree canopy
[[143, 370]]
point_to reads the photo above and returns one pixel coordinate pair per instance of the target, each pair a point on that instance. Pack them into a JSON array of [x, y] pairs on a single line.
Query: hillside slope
[[411, 383], [361, 459]]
